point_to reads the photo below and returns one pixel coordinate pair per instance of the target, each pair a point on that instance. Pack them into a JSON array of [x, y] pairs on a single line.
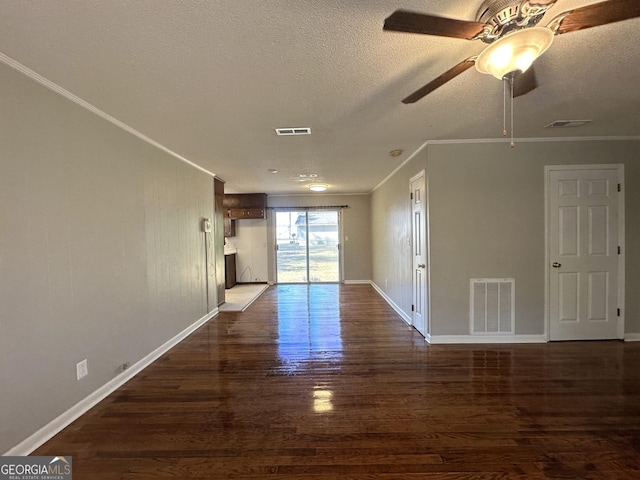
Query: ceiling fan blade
[[525, 82], [441, 80], [405, 21], [597, 14]]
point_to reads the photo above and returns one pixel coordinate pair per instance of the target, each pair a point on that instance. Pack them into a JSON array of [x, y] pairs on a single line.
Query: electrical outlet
[[82, 369], [124, 366]]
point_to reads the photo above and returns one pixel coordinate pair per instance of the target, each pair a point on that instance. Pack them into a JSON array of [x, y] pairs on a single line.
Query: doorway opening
[[307, 246]]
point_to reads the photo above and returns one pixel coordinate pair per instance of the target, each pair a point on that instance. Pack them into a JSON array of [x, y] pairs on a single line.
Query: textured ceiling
[[211, 80]]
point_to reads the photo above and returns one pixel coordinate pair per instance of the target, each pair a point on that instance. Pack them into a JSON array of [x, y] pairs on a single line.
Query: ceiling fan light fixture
[[318, 187], [514, 52]]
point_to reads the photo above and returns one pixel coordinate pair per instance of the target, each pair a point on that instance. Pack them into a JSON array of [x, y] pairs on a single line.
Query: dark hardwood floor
[[326, 381]]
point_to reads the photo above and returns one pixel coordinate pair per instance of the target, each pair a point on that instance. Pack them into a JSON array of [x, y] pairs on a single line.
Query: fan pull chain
[[504, 109], [512, 144], [507, 98]]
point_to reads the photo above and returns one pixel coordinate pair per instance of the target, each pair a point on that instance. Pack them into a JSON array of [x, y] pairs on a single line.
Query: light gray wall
[[251, 244], [391, 234], [356, 226], [101, 254], [486, 206]]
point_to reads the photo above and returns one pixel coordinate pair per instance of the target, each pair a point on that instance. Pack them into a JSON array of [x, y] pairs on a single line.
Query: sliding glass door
[[307, 246]]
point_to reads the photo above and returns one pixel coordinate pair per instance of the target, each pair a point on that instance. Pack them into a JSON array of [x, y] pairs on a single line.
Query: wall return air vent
[[293, 131], [492, 306]]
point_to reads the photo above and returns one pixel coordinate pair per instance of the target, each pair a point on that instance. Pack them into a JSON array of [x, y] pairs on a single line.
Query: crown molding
[[45, 82], [14, 64], [478, 141], [395, 170], [615, 138]]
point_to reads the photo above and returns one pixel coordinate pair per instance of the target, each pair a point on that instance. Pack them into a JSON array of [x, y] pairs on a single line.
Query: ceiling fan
[[509, 27]]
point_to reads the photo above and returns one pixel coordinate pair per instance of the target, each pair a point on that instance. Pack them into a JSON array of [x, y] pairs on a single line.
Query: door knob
[[556, 265], [421, 265]]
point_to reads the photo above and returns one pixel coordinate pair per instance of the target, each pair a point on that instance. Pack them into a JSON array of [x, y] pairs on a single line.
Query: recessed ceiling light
[[273, 170], [318, 187], [396, 153]]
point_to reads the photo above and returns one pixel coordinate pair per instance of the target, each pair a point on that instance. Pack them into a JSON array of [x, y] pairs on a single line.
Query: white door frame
[[427, 239], [621, 229]]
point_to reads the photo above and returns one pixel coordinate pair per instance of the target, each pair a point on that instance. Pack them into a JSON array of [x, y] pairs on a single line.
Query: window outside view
[[307, 246]]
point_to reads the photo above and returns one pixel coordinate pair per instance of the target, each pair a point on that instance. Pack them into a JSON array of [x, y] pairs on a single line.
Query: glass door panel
[[291, 247], [307, 246], [324, 258]]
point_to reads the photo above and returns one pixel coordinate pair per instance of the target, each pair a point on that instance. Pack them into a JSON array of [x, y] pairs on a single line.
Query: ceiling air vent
[[294, 131], [567, 123]]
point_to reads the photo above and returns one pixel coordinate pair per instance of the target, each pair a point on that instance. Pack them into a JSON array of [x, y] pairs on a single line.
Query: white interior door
[[584, 252], [419, 250]]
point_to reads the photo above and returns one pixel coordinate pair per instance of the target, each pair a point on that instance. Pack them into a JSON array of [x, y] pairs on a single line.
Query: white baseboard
[[469, 339], [478, 339], [357, 282], [632, 337], [392, 304], [65, 419]]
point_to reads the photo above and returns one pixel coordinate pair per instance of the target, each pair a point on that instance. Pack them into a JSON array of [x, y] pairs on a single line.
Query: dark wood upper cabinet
[[244, 213], [241, 206]]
